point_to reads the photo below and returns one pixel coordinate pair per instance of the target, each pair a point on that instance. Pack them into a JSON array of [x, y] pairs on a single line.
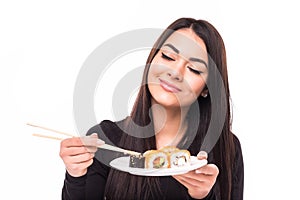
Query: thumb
[[99, 141], [202, 155], [94, 135]]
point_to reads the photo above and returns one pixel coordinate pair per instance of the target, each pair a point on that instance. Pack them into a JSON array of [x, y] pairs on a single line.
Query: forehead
[[188, 43]]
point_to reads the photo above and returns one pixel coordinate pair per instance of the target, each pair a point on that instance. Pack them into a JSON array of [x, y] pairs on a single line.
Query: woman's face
[[178, 71]]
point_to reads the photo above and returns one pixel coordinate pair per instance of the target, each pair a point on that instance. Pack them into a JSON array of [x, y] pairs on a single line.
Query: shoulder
[[237, 145], [105, 124], [108, 130], [238, 157], [238, 171]]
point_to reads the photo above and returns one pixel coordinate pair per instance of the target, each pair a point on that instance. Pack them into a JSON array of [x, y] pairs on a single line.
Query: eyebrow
[[172, 47], [191, 59]]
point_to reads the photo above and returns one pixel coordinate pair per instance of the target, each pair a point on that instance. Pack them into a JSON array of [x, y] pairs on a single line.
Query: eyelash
[[164, 56], [195, 71]]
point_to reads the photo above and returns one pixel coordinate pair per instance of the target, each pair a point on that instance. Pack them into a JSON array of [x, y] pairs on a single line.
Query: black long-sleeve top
[[92, 185]]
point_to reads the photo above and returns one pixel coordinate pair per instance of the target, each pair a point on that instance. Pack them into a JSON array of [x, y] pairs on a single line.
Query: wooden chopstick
[[49, 129], [47, 136], [113, 148], [103, 146]]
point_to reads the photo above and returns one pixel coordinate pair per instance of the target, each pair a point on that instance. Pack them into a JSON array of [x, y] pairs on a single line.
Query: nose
[[176, 70]]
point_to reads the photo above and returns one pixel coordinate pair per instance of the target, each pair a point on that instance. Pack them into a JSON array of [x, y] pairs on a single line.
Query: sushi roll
[[137, 161], [169, 149], [166, 157], [180, 158], [156, 159]]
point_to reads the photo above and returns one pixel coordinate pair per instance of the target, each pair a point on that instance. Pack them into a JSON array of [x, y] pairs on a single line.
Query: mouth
[[169, 87]]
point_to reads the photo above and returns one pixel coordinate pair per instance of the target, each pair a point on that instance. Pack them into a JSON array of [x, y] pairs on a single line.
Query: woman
[[176, 104]]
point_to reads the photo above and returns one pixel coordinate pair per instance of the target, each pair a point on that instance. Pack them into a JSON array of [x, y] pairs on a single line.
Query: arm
[[89, 186], [208, 178], [199, 182], [238, 173], [91, 183], [77, 155], [74, 187]]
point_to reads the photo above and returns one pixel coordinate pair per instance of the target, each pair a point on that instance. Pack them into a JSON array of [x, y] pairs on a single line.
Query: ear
[[204, 92]]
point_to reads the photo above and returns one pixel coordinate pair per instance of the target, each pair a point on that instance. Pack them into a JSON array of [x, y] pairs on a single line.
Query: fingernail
[[202, 154], [100, 142], [198, 171], [94, 135]]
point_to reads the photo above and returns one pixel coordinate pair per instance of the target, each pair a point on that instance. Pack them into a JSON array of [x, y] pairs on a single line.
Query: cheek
[[155, 70], [196, 85], [152, 79], [151, 75]]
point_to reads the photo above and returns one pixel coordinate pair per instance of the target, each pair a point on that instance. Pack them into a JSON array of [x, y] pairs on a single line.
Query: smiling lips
[[168, 86]]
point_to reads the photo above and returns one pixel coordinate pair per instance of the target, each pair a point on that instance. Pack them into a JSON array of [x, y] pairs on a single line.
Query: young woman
[[184, 94]]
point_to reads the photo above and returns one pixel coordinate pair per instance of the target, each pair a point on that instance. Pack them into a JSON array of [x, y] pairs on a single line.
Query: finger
[[198, 190], [91, 149], [72, 151], [89, 140], [80, 158], [182, 181], [99, 141], [92, 140], [94, 135], [71, 142], [79, 166], [196, 179], [202, 155], [190, 175], [82, 141], [187, 182], [209, 169], [206, 173]]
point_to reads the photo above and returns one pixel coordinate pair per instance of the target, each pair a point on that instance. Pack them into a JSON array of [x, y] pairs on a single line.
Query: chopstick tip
[[29, 124]]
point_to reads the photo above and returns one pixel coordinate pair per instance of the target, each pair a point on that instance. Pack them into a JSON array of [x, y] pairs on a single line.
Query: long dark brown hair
[[121, 185]]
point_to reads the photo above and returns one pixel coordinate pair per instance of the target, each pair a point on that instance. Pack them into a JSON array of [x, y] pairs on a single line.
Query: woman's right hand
[[77, 153]]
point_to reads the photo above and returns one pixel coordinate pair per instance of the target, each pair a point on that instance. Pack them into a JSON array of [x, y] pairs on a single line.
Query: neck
[[169, 124]]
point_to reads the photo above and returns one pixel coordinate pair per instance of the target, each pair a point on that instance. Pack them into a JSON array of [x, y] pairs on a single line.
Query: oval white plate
[[122, 164]]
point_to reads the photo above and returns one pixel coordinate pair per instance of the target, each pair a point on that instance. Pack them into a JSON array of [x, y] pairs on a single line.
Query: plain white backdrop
[[44, 44]]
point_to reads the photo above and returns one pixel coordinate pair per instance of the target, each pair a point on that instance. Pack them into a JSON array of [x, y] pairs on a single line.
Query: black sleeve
[[96, 181], [74, 188], [238, 177], [90, 186], [238, 173]]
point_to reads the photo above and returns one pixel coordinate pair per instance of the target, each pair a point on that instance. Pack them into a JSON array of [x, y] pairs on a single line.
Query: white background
[[44, 44]]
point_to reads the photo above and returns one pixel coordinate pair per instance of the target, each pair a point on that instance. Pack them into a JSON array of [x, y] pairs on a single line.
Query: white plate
[[122, 164]]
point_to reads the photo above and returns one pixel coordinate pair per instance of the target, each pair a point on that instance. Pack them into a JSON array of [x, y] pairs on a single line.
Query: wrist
[[76, 173]]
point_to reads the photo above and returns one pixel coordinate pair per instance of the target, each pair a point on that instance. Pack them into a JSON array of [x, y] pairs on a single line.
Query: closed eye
[[164, 56], [195, 71]]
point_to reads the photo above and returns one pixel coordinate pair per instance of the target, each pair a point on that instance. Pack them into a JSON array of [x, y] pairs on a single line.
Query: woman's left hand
[[200, 181]]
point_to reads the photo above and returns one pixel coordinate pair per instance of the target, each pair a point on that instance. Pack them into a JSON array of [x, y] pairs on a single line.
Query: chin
[[166, 101]]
